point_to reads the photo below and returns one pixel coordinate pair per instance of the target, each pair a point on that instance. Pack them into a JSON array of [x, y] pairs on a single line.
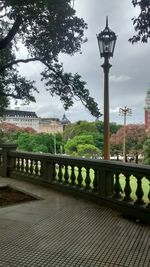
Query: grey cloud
[[129, 75]]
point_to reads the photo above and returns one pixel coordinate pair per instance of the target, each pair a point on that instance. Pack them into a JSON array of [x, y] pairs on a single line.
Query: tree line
[[81, 139]]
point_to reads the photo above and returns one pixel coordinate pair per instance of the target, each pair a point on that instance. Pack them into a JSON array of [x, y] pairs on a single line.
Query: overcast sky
[[129, 75]]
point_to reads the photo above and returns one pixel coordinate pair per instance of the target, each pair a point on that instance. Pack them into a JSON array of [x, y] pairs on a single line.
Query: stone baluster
[[54, 173], [60, 173], [95, 182], [117, 187], [22, 164], [17, 164], [80, 177], [36, 169], [27, 166], [127, 189], [72, 177], [66, 175], [139, 192], [39, 168], [31, 166], [87, 179]]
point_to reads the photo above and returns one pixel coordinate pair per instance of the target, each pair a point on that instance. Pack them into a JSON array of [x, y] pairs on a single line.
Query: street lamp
[[124, 112], [106, 42]]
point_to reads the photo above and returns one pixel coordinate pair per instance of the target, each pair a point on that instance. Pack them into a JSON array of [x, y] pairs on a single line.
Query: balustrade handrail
[[100, 163]]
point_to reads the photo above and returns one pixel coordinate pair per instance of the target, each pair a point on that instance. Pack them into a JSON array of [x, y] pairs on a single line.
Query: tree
[[10, 128], [88, 151], [71, 147], [79, 128], [146, 148], [142, 21], [135, 137], [46, 28], [84, 128], [96, 129], [114, 127], [42, 142]]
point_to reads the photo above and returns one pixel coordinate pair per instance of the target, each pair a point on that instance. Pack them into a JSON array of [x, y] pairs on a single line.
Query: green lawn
[[133, 183]]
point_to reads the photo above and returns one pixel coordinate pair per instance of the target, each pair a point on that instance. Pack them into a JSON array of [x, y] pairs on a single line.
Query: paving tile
[[63, 231]]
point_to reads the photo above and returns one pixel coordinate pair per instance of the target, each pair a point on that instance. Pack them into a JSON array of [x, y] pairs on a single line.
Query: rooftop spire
[[106, 21]]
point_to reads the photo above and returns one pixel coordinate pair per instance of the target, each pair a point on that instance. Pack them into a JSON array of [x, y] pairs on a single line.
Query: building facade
[[22, 118], [50, 125], [30, 119]]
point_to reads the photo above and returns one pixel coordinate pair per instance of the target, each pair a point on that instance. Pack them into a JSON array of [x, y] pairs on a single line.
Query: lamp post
[[124, 112], [106, 42]]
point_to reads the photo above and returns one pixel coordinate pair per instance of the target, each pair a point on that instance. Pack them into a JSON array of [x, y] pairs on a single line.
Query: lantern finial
[[106, 41], [106, 21]]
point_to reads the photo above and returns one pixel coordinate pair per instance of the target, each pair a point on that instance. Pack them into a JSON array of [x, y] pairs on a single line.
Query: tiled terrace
[[60, 230]]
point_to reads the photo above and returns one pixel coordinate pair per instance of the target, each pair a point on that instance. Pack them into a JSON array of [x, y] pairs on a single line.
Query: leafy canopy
[[142, 21], [88, 151], [135, 137], [42, 142], [82, 145], [146, 148], [46, 28]]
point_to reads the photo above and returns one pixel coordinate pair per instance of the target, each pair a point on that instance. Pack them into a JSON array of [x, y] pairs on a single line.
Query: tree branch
[[10, 64], [5, 42], [10, 95]]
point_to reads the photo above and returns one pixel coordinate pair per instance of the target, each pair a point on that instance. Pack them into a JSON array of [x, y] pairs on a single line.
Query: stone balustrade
[[122, 186]]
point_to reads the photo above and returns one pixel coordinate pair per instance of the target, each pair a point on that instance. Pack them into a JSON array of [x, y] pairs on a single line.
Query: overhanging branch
[[10, 64], [14, 62], [10, 95], [5, 42]]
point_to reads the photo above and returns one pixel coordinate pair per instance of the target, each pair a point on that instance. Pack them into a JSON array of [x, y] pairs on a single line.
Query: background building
[[64, 121], [30, 119], [50, 125], [22, 118]]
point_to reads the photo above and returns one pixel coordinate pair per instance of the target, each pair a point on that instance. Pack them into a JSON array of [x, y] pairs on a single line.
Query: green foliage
[[82, 145], [4, 138], [114, 127], [98, 140], [12, 84], [37, 142], [46, 28], [142, 21], [146, 148], [71, 145], [95, 129], [79, 128], [88, 151]]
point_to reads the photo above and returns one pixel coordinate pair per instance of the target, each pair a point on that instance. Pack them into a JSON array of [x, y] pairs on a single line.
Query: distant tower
[[147, 110], [64, 121]]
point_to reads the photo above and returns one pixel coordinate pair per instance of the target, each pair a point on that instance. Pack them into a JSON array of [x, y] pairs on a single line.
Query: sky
[[129, 75]]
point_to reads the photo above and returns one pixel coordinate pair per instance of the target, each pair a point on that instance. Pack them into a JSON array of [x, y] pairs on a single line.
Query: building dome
[[64, 120]]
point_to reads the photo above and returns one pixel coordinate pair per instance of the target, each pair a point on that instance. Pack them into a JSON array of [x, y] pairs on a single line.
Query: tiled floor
[[67, 232]]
